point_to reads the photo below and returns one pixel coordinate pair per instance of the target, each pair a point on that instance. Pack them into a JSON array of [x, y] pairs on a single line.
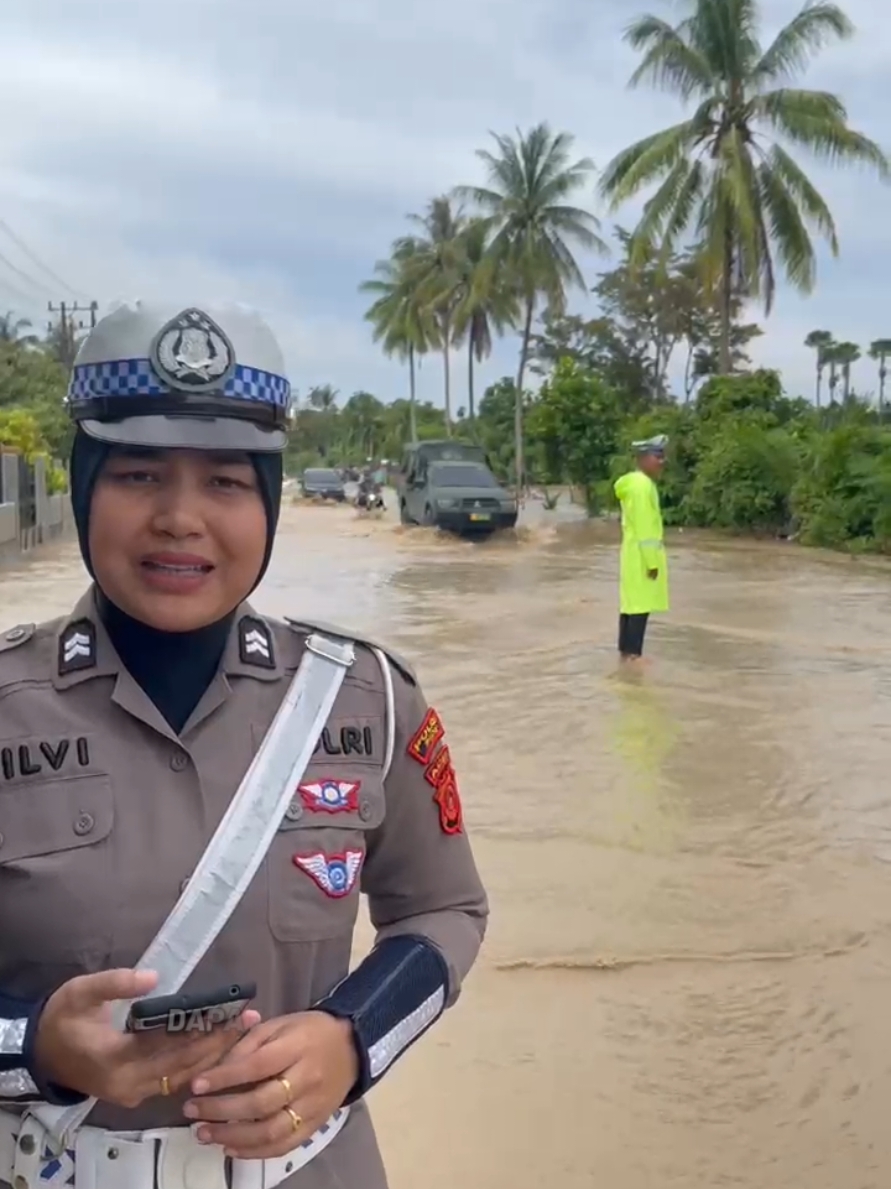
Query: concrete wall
[[53, 517]]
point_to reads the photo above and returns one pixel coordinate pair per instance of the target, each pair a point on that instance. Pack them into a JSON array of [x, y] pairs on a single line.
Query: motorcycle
[[370, 500]]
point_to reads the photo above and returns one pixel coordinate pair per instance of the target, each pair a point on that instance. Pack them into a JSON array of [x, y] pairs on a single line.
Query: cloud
[[270, 151]]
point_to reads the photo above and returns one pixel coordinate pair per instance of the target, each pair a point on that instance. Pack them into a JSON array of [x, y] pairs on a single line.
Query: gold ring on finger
[[165, 1085], [286, 1086], [296, 1121]]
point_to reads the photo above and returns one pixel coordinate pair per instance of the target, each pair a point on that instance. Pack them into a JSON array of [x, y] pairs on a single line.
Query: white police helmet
[[208, 378]]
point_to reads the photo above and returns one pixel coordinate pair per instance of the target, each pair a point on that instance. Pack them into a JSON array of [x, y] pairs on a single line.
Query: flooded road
[[688, 972]]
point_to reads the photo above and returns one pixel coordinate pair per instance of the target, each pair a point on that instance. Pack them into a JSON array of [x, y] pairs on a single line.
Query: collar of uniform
[[83, 647], [252, 650]]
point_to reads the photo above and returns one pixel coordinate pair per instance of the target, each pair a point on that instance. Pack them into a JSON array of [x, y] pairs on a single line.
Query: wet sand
[[688, 969]]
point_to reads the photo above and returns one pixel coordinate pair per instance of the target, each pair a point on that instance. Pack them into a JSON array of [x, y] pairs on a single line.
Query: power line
[[25, 276], [28, 298], [23, 247]]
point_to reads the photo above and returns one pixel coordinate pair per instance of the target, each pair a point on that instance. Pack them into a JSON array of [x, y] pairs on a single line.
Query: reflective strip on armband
[[15, 1082], [391, 999]]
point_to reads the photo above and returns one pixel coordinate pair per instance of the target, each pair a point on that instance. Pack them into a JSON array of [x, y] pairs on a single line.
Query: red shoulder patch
[[439, 767], [441, 775], [424, 741], [451, 814]]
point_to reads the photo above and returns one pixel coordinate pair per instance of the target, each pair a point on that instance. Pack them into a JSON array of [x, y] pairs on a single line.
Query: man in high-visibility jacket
[[643, 568]]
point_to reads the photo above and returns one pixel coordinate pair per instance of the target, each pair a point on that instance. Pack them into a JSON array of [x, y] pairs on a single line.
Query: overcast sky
[[268, 151]]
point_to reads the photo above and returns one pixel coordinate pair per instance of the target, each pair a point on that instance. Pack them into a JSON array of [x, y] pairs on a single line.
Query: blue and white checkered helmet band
[[136, 377]]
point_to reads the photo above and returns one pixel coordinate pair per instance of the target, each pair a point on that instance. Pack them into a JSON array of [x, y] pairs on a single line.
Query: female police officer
[[125, 730]]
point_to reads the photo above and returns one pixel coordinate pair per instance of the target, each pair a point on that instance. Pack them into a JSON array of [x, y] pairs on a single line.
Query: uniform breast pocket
[[315, 861], [56, 876]]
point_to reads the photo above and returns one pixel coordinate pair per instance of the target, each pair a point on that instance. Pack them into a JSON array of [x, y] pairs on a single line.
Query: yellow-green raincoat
[[643, 547]]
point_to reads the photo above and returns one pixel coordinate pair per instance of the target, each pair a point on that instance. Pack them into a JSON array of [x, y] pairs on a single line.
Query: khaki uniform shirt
[[105, 812]]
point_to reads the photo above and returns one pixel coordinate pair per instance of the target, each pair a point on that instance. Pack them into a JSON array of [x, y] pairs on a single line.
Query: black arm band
[[390, 999], [20, 1080]]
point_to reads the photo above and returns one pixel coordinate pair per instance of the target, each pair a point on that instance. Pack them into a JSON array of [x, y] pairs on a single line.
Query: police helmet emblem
[[192, 353]]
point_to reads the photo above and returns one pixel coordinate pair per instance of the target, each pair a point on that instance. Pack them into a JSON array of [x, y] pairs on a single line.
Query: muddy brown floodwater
[[687, 979]]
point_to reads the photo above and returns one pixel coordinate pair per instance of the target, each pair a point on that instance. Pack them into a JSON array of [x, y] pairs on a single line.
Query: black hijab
[[173, 668]]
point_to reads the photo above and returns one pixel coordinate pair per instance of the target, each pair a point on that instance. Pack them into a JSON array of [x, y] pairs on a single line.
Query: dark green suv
[[462, 497]]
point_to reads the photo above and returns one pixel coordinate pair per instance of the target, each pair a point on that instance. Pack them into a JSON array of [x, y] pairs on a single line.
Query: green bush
[[745, 478], [843, 497]]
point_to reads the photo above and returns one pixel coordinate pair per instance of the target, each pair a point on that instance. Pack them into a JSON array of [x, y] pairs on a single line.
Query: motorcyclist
[[369, 495]]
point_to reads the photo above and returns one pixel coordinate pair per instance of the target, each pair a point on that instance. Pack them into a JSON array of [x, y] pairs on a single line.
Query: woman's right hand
[[76, 1047]]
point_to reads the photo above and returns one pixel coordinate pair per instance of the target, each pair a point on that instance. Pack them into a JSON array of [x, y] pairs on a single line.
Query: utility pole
[[69, 323]]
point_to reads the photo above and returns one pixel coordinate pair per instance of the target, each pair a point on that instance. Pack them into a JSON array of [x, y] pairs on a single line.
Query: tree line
[[729, 207], [33, 381]]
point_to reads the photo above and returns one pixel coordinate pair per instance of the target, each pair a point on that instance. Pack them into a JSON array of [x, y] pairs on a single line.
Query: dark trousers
[[632, 629]]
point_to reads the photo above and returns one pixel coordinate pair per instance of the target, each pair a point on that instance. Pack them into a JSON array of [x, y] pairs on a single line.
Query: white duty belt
[[46, 1144]]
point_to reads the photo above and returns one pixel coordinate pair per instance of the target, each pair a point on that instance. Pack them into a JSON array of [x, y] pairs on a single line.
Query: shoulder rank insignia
[[77, 647], [335, 874], [330, 796], [255, 643], [424, 741]]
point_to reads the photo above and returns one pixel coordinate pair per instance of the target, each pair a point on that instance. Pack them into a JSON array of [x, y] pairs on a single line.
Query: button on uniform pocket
[[315, 861], [56, 869]]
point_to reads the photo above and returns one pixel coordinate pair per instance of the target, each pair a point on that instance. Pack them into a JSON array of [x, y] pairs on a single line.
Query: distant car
[[323, 483], [461, 497]]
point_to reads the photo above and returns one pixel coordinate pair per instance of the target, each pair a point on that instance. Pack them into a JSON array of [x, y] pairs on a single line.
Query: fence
[[29, 516]]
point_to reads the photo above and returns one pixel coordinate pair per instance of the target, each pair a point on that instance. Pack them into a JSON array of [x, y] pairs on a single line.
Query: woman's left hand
[[292, 1074]]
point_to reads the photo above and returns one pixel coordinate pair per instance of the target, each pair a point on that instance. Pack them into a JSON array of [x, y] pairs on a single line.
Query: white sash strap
[[166, 1158], [238, 847]]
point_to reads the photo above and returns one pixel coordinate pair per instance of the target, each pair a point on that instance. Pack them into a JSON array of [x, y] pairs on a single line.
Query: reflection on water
[[689, 964]]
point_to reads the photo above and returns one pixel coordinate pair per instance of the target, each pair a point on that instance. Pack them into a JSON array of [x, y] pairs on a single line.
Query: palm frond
[[814, 27], [817, 121], [641, 163], [808, 198], [669, 62], [787, 228]]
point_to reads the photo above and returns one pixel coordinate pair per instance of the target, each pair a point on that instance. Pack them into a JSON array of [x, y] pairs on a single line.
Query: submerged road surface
[[688, 973]]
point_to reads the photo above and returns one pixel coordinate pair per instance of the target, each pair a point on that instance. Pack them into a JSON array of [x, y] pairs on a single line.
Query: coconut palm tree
[[431, 261], [322, 397], [724, 176], [531, 178], [845, 356], [879, 350], [12, 330], [833, 356], [485, 300], [819, 340], [401, 321]]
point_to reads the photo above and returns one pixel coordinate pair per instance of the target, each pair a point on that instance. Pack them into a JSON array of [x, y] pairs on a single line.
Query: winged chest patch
[[336, 875]]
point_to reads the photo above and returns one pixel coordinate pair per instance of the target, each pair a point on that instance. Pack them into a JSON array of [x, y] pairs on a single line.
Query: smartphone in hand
[[197, 1011]]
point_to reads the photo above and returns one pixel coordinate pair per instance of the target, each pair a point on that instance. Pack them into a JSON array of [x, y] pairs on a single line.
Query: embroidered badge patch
[[423, 743], [440, 773], [336, 875], [330, 796], [77, 647], [255, 643], [451, 815], [439, 767]]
